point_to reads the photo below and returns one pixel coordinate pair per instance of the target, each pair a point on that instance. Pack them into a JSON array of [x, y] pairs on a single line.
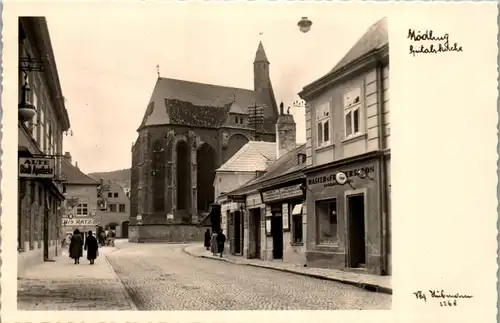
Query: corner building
[[189, 130], [348, 158]]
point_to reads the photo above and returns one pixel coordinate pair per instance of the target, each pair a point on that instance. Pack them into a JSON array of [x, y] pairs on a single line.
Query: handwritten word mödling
[[441, 45]]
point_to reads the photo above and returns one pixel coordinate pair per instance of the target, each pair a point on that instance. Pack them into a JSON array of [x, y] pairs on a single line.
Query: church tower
[[262, 83]]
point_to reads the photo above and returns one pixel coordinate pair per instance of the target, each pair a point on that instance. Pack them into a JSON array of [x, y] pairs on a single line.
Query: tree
[[102, 201]]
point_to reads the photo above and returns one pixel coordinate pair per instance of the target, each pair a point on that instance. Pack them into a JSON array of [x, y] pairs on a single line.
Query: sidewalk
[[380, 284], [62, 285]]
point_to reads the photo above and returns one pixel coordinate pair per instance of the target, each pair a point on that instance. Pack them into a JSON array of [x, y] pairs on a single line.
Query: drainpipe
[[382, 168]]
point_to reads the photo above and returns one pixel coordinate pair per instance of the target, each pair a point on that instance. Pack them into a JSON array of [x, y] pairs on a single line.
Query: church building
[[189, 130]]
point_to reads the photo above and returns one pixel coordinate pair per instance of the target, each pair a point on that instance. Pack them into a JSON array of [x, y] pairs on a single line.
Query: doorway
[[255, 216], [277, 233], [237, 233], [125, 229], [357, 241]]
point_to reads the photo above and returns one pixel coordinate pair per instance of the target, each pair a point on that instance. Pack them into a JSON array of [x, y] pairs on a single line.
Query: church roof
[[74, 175], [260, 55], [253, 156], [172, 97], [234, 108], [375, 37]]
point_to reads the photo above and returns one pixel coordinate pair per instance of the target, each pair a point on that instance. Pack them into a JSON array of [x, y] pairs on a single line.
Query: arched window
[[205, 161], [158, 172], [183, 175]]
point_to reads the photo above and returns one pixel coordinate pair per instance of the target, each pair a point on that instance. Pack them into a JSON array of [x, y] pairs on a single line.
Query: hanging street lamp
[[304, 24]]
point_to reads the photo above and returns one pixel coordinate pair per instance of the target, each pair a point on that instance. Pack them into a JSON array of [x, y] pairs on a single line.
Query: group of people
[[107, 238], [76, 247], [215, 242]]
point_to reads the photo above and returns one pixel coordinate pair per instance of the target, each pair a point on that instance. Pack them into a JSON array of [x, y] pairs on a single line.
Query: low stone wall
[[167, 233]]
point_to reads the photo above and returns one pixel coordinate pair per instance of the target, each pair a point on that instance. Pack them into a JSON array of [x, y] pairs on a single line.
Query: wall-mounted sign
[[339, 178], [286, 217], [36, 167], [139, 217], [283, 193], [268, 226], [78, 222], [170, 216]]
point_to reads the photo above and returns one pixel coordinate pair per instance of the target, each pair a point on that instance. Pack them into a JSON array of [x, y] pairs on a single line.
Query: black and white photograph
[[208, 157]]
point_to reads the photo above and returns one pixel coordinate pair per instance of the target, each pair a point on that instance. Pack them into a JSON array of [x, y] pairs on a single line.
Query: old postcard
[[244, 161]]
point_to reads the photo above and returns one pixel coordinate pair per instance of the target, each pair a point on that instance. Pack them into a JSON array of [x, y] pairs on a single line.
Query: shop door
[[45, 233], [256, 231], [125, 229], [237, 232], [357, 242], [277, 233]]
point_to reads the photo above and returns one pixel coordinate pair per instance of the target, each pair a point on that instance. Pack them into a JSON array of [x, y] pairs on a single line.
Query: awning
[[297, 209]]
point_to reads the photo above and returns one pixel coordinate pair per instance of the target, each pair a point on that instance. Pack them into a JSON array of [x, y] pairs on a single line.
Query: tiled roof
[[74, 175], [186, 113], [237, 109], [287, 164], [197, 94], [375, 37], [253, 156]]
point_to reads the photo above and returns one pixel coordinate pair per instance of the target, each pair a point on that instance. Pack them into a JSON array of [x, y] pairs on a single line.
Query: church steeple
[[260, 55]]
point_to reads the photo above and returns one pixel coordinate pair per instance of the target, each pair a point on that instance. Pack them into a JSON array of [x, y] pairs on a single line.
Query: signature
[[444, 298], [439, 43]]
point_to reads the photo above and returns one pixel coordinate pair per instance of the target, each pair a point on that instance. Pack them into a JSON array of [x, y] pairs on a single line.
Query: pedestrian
[[92, 247], [221, 239], [102, 237], [207, 239], [76, 246], [213, 243]]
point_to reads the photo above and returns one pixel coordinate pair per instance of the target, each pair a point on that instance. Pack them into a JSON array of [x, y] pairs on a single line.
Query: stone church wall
[[167, 233]]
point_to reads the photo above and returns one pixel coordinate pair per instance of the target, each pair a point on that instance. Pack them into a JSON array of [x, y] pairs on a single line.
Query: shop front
[[232, 222], [345, 217], [284, 223]]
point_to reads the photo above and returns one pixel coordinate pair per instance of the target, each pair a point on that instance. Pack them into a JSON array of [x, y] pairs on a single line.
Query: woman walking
[[207, 239], [75, 246], [92, 247], [213, 243]]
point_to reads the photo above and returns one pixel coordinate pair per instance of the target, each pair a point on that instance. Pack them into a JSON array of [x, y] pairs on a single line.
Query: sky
[[107, 53]]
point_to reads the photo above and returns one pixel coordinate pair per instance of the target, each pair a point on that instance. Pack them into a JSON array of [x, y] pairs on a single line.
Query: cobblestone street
[[163, 277]]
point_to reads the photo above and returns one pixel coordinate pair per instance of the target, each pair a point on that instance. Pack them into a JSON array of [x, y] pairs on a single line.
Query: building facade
[[263, 218], [348, 158], [188, 131], [115, 213], [80, 207], [43, 119]]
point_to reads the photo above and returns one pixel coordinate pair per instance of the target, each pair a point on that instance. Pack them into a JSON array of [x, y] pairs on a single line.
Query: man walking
[[221, 239]]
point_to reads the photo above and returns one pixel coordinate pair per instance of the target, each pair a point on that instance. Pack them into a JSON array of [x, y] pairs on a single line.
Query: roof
[[375, 37], [253, 156], [74, 175], [260, 55], [237, 109], [186, 113], [179, 94], [287, 164]]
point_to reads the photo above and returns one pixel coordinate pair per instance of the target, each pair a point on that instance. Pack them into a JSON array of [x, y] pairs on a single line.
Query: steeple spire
[[260, 55]]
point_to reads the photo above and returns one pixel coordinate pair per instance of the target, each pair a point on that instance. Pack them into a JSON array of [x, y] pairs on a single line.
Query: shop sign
[[78, 222], [36, 167], [339, 178], [283, 193]]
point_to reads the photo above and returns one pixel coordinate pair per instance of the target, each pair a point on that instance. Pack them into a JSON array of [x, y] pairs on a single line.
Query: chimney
[[76, 165], [285, 134], [67, 156], [101, 182]]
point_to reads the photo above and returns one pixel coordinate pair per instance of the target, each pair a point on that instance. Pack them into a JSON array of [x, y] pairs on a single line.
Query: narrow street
[[163, 277]]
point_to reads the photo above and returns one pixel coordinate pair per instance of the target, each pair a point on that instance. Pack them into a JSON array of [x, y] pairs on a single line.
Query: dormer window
[[301, 158]]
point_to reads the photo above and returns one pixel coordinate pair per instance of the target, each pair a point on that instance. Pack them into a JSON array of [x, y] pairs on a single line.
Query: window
[[297, 223], [352, 113], [236, 119], [82, 209], [323, 124], [112, 207], [41, 124], [326, 221], [110, 194], [115, 194], [122, 208]]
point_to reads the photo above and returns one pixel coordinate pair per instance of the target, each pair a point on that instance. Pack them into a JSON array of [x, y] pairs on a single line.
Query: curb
[[129, 299], [366, 286]]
